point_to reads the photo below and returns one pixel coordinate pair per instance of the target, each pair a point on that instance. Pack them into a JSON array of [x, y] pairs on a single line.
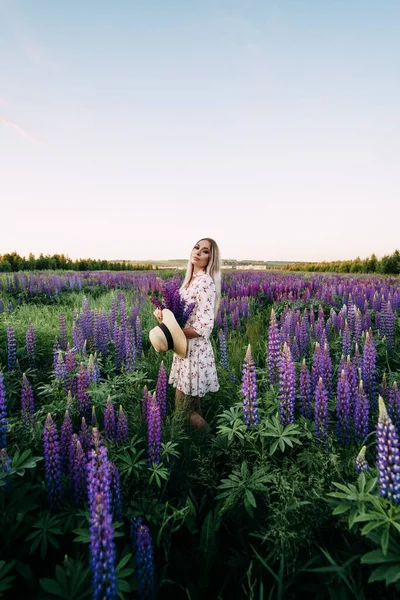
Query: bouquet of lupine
[[172, 300]]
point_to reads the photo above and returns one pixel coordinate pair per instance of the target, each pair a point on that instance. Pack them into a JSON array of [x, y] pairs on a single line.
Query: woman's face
[[201, 254]]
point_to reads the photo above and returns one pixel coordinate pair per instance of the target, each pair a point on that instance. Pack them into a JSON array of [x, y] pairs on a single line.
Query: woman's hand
[[158, 315]]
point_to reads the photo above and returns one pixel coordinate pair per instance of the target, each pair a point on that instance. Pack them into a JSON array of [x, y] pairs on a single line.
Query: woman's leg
[[191, 406]]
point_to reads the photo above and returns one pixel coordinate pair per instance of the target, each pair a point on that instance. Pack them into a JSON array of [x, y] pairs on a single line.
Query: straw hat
[[168, 335]]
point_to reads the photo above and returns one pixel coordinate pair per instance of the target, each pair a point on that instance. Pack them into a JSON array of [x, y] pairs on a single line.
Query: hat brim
[[159, 340]]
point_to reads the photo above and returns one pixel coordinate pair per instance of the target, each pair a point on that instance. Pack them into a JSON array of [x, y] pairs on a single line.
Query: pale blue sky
[[130, 129]]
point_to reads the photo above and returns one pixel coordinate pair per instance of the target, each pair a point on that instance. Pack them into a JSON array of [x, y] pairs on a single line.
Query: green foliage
[[45, 532], [240, 488], [5, 578]]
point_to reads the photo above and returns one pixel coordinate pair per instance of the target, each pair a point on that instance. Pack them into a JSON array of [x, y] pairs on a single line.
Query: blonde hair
[[213, 269]]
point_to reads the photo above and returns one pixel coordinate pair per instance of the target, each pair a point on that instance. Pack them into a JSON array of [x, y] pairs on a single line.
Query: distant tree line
[[15, 262], [388, 265]]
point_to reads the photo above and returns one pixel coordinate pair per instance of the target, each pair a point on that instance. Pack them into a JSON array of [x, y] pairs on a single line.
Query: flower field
[[106, 491]]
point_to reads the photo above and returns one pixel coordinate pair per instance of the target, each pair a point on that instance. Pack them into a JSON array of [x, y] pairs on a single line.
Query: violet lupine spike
[[388, 319], [361, 413], [361, 463], [82, 380], [369, 368], [3, 413], [287, 386], [30, 339], [223, 350], [327, 369], [102, 545], [66, 435], [11, 348], [249, 390], [84, 436], [122, 427], [52, 463], [388, 458], [139, 337], [116, 497], [109, 420], [143, 549], [77, 471], [395, 400], [305, 391], [63, 331], [321, 414], [153, 429], [343, 408], [93, 369], [60, 372], [383, 389], [145, 399], [317, 369], [274, 346], [130, 350], [161, 389], [346, 339], [27, 401]]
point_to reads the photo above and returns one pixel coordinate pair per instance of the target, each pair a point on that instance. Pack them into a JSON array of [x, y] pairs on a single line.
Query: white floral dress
[[196, 374]]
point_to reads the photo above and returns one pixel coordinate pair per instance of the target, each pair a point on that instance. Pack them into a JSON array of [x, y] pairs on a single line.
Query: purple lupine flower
[[145, 399], [305, 391], [273, 349], [52, 463], [360, 462], [102, 545], [82, 380], [60, 372], [116, 497], [161, 389], [346, 339], [130, 350], [369, 368], [84, 436], [109, 420], [317, 369], [249, 390], [78, 339], [3, 413], [287, 386], [63, 332], [139, 337], [321, 413], [343, 408], [77, 471], [394, 398], [122, 427], [69, 359], [225, 325], [388, 459], [30, 338], [27, 401], [358, 326], [56, 349], [232, 377], [66, 435], [361, 413], [1, 306], [11, 348], [388, 318], [223, 350], [142, 546], [327, 369], [153, 429], [93, 369]]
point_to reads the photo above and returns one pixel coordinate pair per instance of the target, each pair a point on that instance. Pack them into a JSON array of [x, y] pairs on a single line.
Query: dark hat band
[[168, 335]]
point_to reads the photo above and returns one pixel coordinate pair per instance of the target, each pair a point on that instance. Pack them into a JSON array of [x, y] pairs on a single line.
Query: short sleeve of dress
[[203, 322]]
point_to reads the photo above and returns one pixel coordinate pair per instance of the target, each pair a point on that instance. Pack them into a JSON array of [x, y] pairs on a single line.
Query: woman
[[196, 374]]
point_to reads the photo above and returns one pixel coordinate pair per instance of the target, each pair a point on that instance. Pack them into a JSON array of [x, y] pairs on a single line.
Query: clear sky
[[130, 129]]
